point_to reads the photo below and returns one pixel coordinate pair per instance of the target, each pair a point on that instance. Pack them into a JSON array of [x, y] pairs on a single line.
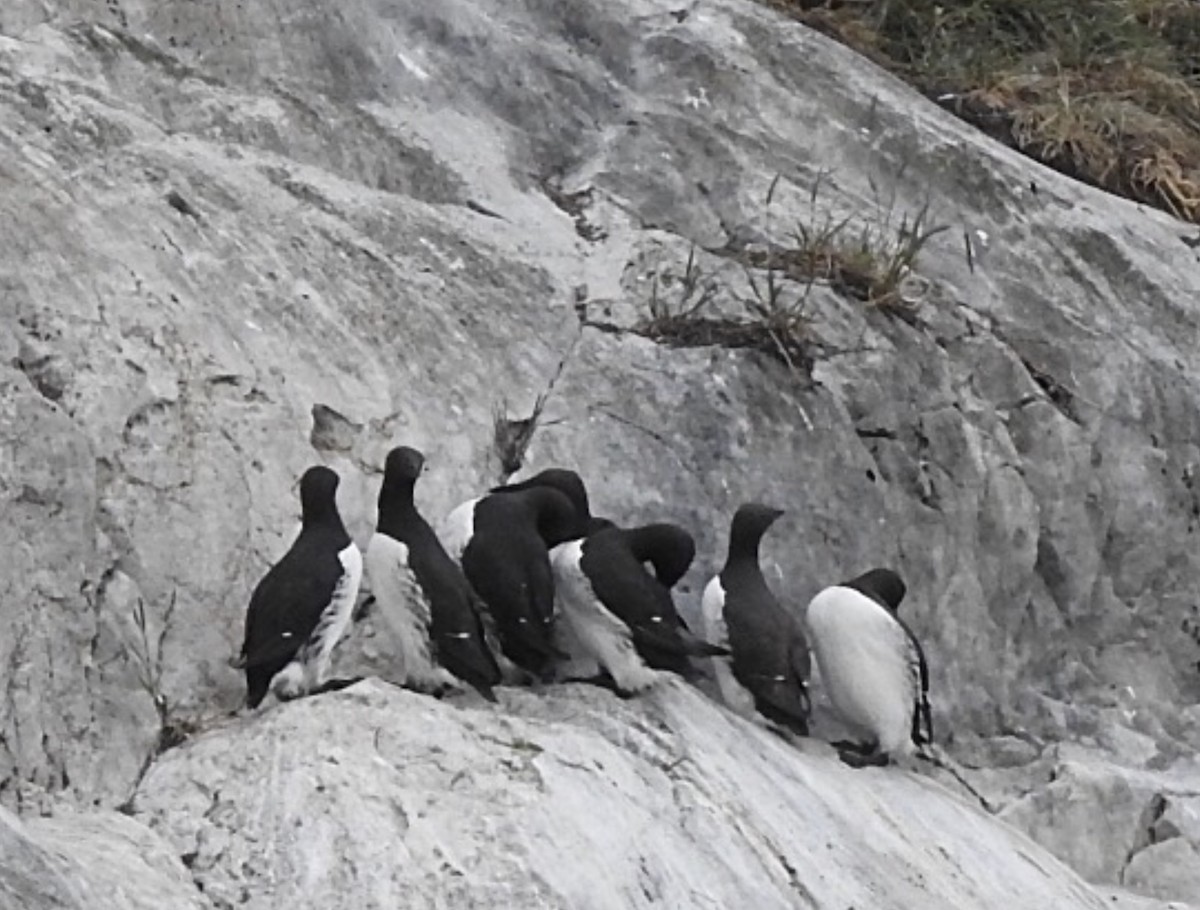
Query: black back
[[770, 654], [614, 562], [288, 601], [667, 547], [570, 484], [887, 588], [507, 562], [456, 624], [883, 586]]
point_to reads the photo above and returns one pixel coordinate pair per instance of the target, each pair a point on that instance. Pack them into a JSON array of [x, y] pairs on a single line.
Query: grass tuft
[[145, 650], [1106, 91], [870, 261], [770, 320]]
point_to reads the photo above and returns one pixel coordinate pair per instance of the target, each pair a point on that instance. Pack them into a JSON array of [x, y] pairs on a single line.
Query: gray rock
[[237, 239], [1120, 899], [90, 861], [1165, 869], [1114, 825], [377, 797]]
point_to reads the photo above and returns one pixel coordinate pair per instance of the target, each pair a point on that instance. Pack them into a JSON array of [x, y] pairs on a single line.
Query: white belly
[[458, 528], [592, 633], [863, 655], [405, 611], [712, 613]]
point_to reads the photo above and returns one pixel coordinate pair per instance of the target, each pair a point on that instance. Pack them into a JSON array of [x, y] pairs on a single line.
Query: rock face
[[240, 238], [376, 797], [80, 862]]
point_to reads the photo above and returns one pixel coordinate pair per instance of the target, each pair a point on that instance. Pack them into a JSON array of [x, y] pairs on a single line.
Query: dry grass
[[1107, 91], [865, 260], [773, 318]]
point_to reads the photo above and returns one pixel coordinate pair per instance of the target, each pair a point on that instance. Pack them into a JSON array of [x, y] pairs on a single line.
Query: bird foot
[[850, 745], [603, 681], [336, 685], [437, 686], [857, 758]]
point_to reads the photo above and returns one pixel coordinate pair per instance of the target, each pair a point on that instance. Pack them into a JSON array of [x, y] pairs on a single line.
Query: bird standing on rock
[[571, 485], [502, 540], [872, 666], [422, 593], [615, 614], [769, 668], [301, 607]]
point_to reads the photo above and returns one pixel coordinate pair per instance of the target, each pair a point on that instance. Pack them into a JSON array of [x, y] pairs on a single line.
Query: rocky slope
[[238, 238]]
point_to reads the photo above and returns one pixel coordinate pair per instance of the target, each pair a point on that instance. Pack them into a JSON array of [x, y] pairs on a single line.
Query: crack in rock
[[1152, 829]]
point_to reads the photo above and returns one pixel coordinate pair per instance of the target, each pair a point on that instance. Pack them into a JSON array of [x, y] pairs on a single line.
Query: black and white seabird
[[570, 484], [769, 668], [668, 548], [301, 607], [872, 665], [503, 540], [616, 616], [422, 593]]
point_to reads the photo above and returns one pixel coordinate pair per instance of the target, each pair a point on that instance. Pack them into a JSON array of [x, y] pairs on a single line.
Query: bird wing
[[800, 660], [619, 578], [918, 669], [593, 632], [288, 602], [768, 658], [513, 601], [457, 632]]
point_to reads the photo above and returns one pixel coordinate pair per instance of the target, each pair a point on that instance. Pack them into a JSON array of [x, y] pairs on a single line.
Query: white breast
[[458, 528], [402, 604], [345, 596], [592, 632], [863, 655], [712, 613], [309, 670]]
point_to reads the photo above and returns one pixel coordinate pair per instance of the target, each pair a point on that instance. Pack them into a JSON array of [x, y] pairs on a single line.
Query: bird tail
[[487, 692]]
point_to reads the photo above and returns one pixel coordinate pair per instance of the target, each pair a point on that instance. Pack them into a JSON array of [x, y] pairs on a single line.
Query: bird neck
[[322, 515], [668, 548], [396, 505], [557, 519], [743, 550]]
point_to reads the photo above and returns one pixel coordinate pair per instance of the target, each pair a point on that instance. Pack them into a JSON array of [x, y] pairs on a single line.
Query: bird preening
[[525, 586]]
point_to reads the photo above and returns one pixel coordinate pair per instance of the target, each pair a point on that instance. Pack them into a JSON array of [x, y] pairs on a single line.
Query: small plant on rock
[[511, 437], [783, 317], [146, 652], [695, 293], [771, 319], [864, 260], [875, 269]]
